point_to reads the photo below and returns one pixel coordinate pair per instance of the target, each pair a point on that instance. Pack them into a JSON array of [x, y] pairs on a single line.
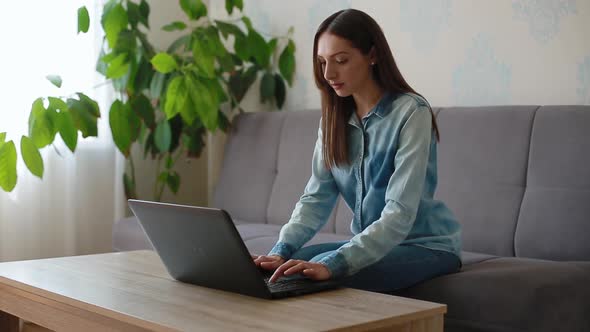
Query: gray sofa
[[516, 177]]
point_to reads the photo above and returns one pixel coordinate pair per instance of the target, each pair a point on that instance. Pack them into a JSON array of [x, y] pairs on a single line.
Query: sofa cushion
[[512, 294], [554, 219], [295, 151], [482, 158], [249, 166], [251, 231]]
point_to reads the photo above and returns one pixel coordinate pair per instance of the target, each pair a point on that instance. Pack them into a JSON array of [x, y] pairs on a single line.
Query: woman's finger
[[281, 269], [295, 269]]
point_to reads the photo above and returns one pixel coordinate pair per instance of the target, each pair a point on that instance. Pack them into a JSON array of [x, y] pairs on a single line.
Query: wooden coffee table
[[132, 291]]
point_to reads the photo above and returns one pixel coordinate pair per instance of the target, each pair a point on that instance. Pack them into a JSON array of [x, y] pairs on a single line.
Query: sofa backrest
[[516, 177]]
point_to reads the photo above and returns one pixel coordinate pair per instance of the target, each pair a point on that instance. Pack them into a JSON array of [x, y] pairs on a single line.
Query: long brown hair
[[364, 33]]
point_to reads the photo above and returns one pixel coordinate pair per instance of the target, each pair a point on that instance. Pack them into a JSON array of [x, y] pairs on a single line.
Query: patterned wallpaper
[[455, 52]]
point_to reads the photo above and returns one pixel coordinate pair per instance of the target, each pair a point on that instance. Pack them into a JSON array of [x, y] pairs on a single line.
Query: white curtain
[[72, 209]]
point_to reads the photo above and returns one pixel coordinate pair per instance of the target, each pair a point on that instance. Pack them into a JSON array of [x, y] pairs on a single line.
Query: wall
[[457, 52]]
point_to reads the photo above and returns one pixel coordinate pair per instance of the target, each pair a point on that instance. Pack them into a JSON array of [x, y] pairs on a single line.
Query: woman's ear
[[372, 56]]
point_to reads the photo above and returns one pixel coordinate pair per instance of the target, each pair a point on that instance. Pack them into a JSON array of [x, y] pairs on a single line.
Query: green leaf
[[287, 62], [242, 48], [2, 138], [239, 4], [249, 77], [157, 84], [176, 25], [41, 125], [126, 43], [205, 100], [267, 87], [90, 104], [149, 146], [31, 156], [55, 80], [247, 22], [181, 43], [118, 67], [84, 117], [272, 45], [213, 42], [193, 141], [141, 105], [280, 91], [194, 9], [129, 186], [226, 62], [120, 128], [203, 59], [83, 19], [144, 75], [229, 29], [221, 94], [177, 125], [230, 4], [164, 63], [163, 136], [67, 130], [144, 11], [183, 104], [133, 14], [113, 22], [7, 166], [175, 87], [173, 181], [57, 104]]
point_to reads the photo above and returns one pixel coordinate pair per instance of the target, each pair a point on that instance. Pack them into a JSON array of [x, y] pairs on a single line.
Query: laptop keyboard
[[283, 285]]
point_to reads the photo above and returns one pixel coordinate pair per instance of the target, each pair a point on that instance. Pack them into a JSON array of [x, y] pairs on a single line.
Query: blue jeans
[[403, 267]]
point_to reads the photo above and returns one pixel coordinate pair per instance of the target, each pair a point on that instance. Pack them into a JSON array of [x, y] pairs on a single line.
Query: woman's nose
[[329, 73]]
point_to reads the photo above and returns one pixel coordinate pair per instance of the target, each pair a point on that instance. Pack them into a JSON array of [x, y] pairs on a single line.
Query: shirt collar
[[382, 108]]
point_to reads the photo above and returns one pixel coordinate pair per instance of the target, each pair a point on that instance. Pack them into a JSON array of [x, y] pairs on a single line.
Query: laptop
[[202, 246]]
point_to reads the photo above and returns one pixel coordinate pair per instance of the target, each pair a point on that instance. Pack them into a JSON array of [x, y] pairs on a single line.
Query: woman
[[377, 148]]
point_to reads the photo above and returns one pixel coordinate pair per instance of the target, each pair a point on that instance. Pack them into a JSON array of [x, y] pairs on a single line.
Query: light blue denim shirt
[[389, 184]]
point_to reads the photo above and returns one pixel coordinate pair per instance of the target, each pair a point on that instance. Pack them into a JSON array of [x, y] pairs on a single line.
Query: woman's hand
[[315, 271], [268, 262]]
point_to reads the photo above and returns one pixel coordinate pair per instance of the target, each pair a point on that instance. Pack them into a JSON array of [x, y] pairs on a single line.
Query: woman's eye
[[341, 61]]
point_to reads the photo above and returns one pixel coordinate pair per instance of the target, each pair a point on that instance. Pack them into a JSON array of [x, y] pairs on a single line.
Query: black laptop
[[202, 246]]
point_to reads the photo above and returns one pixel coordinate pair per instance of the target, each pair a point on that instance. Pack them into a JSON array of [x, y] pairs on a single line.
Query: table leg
[[8, 322]]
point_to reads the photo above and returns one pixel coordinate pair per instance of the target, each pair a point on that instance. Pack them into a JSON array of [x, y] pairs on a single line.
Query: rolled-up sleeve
[[402, 198]]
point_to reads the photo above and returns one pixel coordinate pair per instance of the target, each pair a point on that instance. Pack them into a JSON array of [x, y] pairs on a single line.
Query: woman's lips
[[337, 86]]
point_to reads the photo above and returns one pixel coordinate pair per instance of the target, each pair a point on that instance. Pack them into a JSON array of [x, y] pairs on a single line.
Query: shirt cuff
[[337, 265], [282, 249]]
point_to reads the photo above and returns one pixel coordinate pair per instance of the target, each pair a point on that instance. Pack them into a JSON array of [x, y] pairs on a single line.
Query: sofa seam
[[526, 181]]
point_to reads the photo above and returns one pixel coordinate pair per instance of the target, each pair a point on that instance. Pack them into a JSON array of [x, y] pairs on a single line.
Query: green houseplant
[[167, 100]]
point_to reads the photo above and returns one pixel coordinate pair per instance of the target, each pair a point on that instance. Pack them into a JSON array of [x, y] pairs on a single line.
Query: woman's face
[[345, 68]]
